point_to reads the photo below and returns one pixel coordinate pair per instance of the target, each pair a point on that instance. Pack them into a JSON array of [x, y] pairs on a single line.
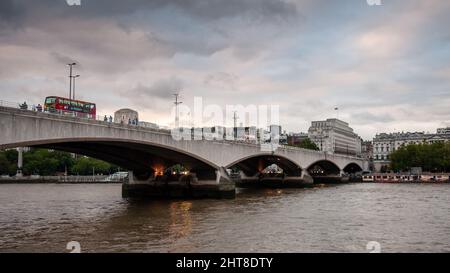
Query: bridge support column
[[245, 181], [306, 177], [264, 181], [366, 166], [344, 177], [19, 162], [187, 186]]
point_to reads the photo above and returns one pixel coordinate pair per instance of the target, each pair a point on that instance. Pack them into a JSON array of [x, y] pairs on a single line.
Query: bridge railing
[[76, 115], [35, 108], [9, 104], [109, 119]]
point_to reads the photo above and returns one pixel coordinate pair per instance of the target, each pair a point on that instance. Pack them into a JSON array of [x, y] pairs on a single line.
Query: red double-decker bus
[[66, 106]]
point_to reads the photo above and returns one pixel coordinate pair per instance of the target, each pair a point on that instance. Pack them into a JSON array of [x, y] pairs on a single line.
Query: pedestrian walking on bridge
[[24, 106]]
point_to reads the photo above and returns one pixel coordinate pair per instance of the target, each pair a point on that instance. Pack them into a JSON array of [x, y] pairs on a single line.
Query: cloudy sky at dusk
[[386, 67]]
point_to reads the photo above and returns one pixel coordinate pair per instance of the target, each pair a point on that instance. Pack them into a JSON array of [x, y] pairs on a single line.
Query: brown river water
[[339, 218]]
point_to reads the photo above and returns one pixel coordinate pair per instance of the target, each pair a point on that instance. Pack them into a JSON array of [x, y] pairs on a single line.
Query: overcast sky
[[386, 67]]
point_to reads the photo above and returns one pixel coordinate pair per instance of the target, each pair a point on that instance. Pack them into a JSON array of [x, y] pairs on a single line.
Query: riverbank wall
[[100, 179]]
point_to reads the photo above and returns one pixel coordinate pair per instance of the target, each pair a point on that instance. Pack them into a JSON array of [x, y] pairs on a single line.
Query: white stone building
[[443, 130], [384, 144], [335, 136], [126, 116]]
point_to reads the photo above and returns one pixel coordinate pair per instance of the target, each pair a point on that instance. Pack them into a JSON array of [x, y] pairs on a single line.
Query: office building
[[335, 136]]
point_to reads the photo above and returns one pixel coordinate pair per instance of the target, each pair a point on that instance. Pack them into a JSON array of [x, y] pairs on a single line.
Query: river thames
[[341, 218]]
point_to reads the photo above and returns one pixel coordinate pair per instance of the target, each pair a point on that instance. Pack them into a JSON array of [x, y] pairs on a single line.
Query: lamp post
[[235, 118], [19, 162], [70, 79], [177, 102], [73, 93]]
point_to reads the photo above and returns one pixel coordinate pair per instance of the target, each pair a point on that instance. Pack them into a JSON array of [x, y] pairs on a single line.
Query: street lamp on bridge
[[70, 78], [73, 93], [177, 114]]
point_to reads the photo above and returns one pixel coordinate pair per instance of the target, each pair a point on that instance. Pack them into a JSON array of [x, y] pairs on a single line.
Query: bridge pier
[[137, 148], [327, 179], [188, 186], [307, 177], [19, 162], [303, 181]]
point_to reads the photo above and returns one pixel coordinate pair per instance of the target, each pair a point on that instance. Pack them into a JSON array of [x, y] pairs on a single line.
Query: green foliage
[[47, 162], [11, 155], [433, 157], [39, 161], [66, 161], [178, 168], [307, 144], [88, 166], [6, 167], [384, 169]]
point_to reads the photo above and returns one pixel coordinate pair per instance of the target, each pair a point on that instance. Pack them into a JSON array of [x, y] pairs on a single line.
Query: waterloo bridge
[[146, 153]]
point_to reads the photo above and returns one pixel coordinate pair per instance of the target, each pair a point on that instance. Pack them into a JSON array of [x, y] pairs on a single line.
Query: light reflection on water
[[43, 218]]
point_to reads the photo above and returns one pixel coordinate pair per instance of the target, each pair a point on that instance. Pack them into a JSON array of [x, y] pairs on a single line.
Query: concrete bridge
[[147, 152]]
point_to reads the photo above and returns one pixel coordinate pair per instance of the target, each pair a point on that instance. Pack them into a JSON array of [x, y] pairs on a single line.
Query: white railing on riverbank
[[63, 179]]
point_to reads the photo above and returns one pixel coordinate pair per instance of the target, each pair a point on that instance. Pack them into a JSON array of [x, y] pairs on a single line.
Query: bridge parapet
[[30, 128]]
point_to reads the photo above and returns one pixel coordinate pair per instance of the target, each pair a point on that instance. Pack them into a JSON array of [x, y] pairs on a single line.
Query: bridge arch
[[352, 168], [254, 164], [323, 168], [26, 128], [142, 157]]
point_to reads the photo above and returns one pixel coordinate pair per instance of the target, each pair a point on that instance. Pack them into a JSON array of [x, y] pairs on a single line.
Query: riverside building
[[335, 136], [384, 144]]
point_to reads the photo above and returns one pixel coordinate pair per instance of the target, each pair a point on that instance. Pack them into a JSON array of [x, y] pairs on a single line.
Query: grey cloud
[[11, 16], [10, 10], [216, 9], [160, 91], [301, 54], [113, 30], [62, 59], [206, 10], [222, 80], [367, 117]]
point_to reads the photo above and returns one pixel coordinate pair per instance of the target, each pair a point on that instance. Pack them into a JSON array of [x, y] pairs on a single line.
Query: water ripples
[[402, 218]]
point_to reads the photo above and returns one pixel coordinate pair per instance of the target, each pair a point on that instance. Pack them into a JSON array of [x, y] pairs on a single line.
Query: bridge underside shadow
[[255, 165], [352, 168], [353, 172], [325, 172], [259, 172], [148, 164], [140, 158]]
